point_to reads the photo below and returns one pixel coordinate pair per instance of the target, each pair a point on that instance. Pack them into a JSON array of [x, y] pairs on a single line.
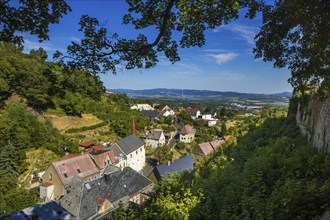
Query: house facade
[[141, 107], [155, 139], [87, 166], [187, 134], [61, 172], [131, 148]]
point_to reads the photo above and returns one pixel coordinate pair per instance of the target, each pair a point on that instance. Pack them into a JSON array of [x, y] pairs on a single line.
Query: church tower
[[133, 127]]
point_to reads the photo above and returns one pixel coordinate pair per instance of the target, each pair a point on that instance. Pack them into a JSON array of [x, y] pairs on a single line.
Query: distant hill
[[191, 93]]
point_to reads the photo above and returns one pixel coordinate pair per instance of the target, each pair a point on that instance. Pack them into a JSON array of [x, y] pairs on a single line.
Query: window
[[65, 175], [131, 155], [136, 152], [50, 176], [141, 149], [78, 170]]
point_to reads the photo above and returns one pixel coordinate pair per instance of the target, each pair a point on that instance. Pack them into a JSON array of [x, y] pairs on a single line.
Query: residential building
[[131, 150], [193, 112], [165, 113], [141, 107], [211, 123], [46, 210], [187, 134], [98, 197], [87, 144], [155, 138], [207, 147], [150, 113], [185, 163], [87, 166]]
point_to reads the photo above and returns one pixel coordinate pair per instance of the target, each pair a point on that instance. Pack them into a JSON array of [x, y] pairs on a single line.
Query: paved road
[[175, 138]]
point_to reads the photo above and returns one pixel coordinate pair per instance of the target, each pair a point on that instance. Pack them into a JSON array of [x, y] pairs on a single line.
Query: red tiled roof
[[96, 148], [206, 148], [68, 156], [87, 144], [215, 144], [81, 165], [191, 111], [187, 130], [46, 184], [227, 137], [99, 200], [111, 155]]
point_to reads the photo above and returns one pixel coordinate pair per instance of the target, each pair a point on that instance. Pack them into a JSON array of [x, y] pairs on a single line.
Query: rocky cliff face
[[313, 120]]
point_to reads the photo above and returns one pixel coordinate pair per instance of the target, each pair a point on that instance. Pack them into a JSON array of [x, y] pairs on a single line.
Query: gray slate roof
[[115, 187], [47, 210], [184, 163], [154, 135], [150, 113], [130, 144]]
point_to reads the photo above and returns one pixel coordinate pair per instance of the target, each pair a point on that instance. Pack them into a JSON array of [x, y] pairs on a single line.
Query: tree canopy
[[294, 33], [33, 16]]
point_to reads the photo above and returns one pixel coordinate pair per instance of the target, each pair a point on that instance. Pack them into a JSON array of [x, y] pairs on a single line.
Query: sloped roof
[[113, 187], [130, 144], [46, 210], [87, 144], [67, 169], [215, 144], [96, 148], [154, 135], [149, 113], [184, 163], [187, 129], [68, 156], [191, 111], [206, 148], [102, 154], [227, 137]]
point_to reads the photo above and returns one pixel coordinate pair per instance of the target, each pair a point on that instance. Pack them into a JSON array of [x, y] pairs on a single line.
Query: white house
[[187, 134], [155, 139], [166, 113], [207, 117], [132, 149], [211, 123], [193, 112], [141, 107]]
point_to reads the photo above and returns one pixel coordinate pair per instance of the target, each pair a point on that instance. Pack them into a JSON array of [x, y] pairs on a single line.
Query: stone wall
[[314, 122]]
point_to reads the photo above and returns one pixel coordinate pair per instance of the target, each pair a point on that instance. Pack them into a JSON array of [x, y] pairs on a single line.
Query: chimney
[[168, 163], [133, 127]]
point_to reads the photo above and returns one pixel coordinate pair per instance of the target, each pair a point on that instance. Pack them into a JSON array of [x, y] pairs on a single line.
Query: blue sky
[[225, 63]]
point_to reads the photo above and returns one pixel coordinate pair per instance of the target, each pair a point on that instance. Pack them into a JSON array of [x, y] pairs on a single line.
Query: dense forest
[[272, 172]]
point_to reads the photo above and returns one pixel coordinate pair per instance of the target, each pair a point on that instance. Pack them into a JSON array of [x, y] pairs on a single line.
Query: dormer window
[[78, 170]]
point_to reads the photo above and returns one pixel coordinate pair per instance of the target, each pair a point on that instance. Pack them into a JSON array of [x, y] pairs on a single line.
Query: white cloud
[[215, 50], [224, 57], [246, 33], [34, 45]]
